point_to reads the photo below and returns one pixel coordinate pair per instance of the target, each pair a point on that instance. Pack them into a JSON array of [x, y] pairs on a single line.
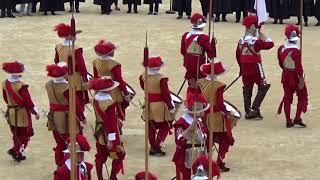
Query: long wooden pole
[[211, 98], [72, 105], [301, 26], [146, 100]]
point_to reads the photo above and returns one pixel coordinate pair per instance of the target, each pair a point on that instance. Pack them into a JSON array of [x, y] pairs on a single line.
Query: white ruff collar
[[14, 78], [214, 79], [288, 45], [153, 71], [67, 42], [60, 80], [248, 39], [102, 96], [106, 57], [194, 31]]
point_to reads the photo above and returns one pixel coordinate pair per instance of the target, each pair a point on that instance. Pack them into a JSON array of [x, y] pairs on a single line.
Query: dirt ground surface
[[263, 150]]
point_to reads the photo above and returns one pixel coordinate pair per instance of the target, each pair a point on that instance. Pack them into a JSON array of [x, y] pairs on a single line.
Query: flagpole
[[146, 115], [301, 26]]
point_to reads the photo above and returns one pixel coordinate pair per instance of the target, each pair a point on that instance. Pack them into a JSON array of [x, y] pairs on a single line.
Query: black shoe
[[108, 13], [136, 12], [189, 17], [53, 13], [77, 11], [149, 13], [11, 16], [289, 124], [11, 152], [281, 21], [217, 19], [318, 23], [299, 123], [117, 8], [223, 168], [152, 152], [102, 12], [238, 20], [155, 13], [128, 12], [306, 24], [179, 17], [254, 114], [275, 22], [298, 23]]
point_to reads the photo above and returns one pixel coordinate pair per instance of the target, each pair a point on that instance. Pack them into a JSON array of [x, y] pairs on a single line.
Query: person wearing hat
[[83, 168], [188, 132], [248, 55], [58, 93], [289, 56], [141, 176], [200, 167], [106, 65], [221, 125], [107, 131], [62, 54], [19, 109], [161, 107], [194, 45]]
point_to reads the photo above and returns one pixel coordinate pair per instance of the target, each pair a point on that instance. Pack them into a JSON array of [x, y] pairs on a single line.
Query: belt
[[189, 146]]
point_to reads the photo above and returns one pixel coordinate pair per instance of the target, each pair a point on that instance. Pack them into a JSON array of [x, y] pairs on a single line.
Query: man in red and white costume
[[141, 176], [20, 107], [161, 105], [106, 65], [63, 54], [195, 45], [289, 56], [196, 105], [83, 168], [58, 122], [248, 55], [221, 123], [107, 131]]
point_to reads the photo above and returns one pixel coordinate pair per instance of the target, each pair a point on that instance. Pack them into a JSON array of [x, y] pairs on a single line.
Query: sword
[[232, 83]]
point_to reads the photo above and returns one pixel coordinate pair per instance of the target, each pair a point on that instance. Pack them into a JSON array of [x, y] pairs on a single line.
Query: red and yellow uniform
[[160, 104], [107, 131], [292, 79], [250, 62], [20, 107], [62, 54], [194, 46], [220, 121], [58, 122], [106, 65]]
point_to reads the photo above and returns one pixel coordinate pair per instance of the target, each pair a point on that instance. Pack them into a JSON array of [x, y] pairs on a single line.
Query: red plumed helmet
[[13, 68], [82, 144], [103, 47], [204, 161], [155, 62], [104, 83], [219, 68], [292, 32], [198, 21], [57, 70], [141, 176], [63, 30], [250, 20], [195, 102]]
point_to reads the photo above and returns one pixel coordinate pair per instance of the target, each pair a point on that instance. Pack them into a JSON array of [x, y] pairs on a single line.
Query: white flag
[[260, 7]]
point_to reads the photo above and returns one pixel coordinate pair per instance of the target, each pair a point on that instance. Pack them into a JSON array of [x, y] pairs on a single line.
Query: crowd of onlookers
[[279, 10]]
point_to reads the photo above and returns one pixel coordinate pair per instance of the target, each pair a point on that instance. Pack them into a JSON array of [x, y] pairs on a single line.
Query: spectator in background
[[135, 4], [6, 8], [153, 6], [23, 5]]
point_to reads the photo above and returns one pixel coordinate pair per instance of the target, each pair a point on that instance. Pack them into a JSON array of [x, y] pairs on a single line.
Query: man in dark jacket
[[279, 10], [6, 8], [307, 10], [223, 7], [317, 12]]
